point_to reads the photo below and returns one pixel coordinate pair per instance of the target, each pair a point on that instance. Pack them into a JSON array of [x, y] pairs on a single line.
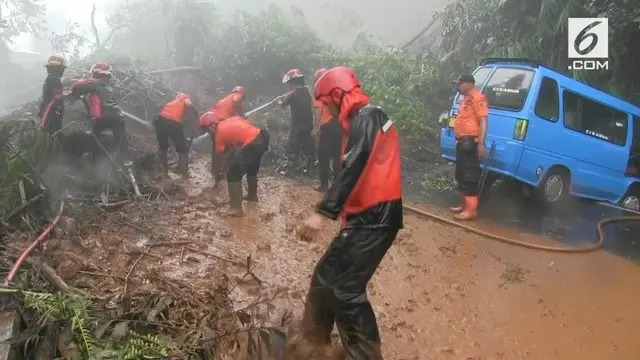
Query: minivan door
[[633, 165], [541, 132]]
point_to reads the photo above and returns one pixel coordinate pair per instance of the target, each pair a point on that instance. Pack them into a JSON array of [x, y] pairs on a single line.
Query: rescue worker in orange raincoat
[[169, 125], [301, 105], [245, 144], [367, 196], [470, 129], [329, 140], [231, 105], [103, 105], [52, 105]]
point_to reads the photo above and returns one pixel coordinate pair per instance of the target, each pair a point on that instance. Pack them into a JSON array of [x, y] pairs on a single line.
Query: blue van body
[[533, 129]]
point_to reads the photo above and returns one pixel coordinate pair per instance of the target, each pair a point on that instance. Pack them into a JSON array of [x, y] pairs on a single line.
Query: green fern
[[61, 307]]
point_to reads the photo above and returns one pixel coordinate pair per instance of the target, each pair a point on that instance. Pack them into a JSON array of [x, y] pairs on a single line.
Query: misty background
[[338, 22]]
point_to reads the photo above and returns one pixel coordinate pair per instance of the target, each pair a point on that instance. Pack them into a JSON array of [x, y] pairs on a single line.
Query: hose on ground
[[589, 248], [41, 238]]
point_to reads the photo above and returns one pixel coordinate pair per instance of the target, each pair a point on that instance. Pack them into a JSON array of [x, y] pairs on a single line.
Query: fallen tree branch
[[50, 275], [20, 208], [113, 206], [234, 262], [175, 69], [58, 283]]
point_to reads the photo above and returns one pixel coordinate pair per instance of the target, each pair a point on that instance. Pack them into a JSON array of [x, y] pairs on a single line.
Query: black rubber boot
[[252, 187], [164, 162], [235, 198], [310, 165], [183, 165]]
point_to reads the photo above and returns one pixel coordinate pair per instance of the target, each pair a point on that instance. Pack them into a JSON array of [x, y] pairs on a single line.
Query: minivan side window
[[508, 88], [548, 102], [480, 76], [595, 119]]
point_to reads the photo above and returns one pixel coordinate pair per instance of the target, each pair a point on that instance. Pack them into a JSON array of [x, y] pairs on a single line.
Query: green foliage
[[537, 29], [441, 182], [255, 49], [60, 307], [25, 152]]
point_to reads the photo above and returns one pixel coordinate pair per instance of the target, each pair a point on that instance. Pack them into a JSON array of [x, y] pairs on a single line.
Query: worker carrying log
[[244, 144], [169, 125], [229, 106], [102, 105], [328, 132], [471, 129], [301, 106], [52, 105], [367, 195]]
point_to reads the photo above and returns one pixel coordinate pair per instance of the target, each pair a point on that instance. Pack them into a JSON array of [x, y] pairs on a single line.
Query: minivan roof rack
[[530, 62]]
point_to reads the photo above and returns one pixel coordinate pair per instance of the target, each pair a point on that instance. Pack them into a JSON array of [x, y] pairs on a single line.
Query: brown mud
[[440, 293]]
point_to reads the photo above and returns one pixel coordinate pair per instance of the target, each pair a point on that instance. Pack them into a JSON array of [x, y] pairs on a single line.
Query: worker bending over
[[329, 140], [367, 195], [52, 105], [301, 105], [470, 129], [245, 144], [231, 105], [102, 105], [169, 125]]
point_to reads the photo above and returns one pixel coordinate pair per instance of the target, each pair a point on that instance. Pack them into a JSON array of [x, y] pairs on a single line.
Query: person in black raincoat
[[367, 195]]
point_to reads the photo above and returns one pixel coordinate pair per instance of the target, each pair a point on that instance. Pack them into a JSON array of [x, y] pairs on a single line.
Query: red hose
[[43, 236], [45, 114]]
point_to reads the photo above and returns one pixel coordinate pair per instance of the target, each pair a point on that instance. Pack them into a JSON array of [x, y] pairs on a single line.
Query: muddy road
[[443, 293], [440, 293]]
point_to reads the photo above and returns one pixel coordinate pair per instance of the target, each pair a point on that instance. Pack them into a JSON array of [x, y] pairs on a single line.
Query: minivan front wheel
[[631, 200], [554, 188]]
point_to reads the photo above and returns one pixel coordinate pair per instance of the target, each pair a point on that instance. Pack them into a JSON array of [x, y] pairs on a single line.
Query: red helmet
[[239, 90], [102, 68], [319, 73], [208, 119], [340, 77], [291, 74]]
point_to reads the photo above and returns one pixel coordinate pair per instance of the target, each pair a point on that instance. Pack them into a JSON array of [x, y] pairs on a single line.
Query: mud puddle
[[573, 224], [440, 293]]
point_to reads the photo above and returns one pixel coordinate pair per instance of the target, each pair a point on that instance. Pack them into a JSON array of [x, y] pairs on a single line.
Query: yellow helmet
[[57, 60]]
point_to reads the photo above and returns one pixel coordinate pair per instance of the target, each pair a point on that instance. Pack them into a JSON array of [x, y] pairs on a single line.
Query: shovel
[[250, 112]]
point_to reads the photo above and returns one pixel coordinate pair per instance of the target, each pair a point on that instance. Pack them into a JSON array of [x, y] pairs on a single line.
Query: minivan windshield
[[507, 88]]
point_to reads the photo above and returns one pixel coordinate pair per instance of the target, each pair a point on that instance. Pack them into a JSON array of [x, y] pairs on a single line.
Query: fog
[[392, 22], [338, 22]]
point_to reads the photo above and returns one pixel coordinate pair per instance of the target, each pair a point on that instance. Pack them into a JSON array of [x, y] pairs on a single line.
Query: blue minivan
[[556, 134]]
